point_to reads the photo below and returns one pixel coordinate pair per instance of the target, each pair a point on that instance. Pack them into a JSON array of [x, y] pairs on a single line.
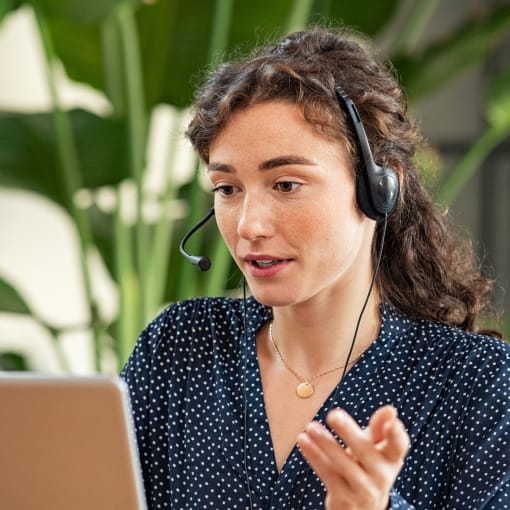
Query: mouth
[[265, 263]]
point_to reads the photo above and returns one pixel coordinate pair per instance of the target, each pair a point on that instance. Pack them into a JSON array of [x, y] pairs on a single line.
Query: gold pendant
[[304, 389]]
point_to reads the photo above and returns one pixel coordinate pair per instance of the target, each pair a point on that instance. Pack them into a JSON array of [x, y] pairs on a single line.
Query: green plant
[[145, 54]]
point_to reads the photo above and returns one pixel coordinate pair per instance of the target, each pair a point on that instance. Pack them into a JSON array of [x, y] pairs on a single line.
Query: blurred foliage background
[[146, 58]]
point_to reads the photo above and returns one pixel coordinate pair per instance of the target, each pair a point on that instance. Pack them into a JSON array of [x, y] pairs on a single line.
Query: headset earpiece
[[377, 188], [377, 191]]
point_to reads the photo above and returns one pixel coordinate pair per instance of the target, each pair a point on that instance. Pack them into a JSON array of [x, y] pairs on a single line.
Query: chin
[[273, 297]]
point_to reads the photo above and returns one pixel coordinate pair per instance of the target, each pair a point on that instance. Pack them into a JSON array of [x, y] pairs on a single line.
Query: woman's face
[[285, 205]]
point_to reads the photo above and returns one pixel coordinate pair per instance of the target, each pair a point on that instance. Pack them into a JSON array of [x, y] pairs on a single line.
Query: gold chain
[[305, 388]]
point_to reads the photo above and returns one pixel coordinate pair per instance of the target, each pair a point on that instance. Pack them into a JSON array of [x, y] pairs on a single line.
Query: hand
[[360, 476]]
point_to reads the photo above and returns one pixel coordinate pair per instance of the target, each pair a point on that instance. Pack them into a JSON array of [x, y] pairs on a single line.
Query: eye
[[225, 190], [287, 186]]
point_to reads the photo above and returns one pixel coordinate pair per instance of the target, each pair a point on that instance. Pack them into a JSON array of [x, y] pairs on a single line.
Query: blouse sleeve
[[501, 499], [478, 477], [480, 474], [397, 502]]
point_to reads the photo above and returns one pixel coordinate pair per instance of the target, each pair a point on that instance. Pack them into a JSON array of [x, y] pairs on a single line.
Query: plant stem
[[220, 28], [129, 316], [137, 134], [464, 170], [160, 256], [446, 57], [299, 15], [62, 359], [71, 176], [110, 38], [414, 25], [128, 322]]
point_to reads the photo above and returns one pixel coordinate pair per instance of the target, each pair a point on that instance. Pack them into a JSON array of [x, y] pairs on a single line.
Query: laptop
[[67, 443]]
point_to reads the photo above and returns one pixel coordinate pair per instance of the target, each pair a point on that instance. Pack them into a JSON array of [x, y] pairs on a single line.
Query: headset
[[377, 188], [203, 263]]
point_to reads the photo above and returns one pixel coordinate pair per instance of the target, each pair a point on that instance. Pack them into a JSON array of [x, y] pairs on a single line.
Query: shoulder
[[200, 308], [477, 358], [209, 308], [431, 335], [190, 313], [193, 317], [181, 327], [463, 343], [438, 348]]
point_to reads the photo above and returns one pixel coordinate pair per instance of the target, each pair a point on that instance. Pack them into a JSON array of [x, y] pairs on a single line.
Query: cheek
[[334, 226]]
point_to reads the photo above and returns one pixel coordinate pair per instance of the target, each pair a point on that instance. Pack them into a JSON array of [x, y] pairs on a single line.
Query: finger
[[320, 462], [357, 440], [372, 462], [328, 459], [378, 420], [380, 467], [397, 442], [337, 454], [340, 468]]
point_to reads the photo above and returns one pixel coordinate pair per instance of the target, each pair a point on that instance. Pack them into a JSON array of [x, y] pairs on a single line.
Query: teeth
[[265, 263]]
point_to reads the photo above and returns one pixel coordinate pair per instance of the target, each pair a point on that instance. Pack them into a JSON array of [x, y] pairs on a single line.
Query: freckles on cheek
[[306, 225], [316, 217]]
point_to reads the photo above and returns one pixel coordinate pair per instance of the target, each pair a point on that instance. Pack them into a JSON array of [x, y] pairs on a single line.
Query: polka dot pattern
[[186, 378]]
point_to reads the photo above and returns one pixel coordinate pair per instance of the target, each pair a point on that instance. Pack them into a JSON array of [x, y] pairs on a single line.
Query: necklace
[[305, 387]]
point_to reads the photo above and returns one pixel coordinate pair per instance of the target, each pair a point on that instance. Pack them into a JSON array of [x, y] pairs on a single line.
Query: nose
[[255, 219]]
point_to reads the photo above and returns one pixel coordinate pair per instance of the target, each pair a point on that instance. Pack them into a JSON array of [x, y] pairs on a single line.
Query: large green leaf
[[439, 62], [367, 16], [11, 300], [75, 27], [79, 11], [28, 159], [79, 47], [175, 36]]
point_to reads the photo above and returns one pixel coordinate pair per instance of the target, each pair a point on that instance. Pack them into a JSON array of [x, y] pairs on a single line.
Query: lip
[[265, 272]]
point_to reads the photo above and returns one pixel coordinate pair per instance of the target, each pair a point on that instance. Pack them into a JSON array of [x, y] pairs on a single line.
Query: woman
[[354, 377]]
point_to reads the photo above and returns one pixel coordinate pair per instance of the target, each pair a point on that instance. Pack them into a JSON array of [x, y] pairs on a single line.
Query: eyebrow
[[290, 159]]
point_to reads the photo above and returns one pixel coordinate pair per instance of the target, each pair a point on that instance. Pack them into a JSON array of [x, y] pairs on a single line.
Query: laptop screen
[[67, 443]]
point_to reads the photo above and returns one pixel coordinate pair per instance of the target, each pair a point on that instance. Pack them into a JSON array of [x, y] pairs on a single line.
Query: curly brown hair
[[425, 271]]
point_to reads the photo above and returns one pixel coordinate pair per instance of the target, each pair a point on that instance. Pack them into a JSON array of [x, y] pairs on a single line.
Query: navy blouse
[[187, 378]]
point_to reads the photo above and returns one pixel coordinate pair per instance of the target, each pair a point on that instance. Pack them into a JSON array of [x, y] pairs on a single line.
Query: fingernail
[[302, 437], [338, 415], [314, 428]]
